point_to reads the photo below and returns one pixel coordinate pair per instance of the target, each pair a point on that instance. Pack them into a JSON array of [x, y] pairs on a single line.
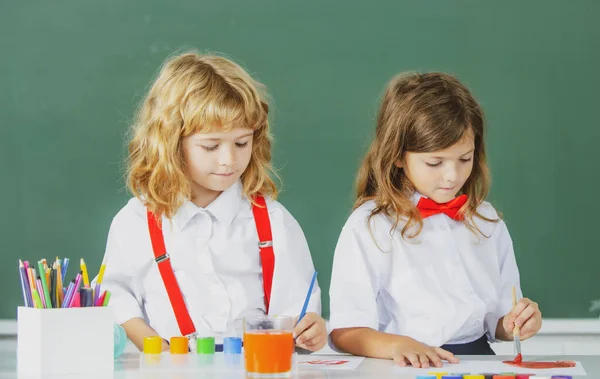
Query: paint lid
[[152, 345], [452, 376], [523, 376], [473, 377], [179, 345], [232, 345], [205, 345], [426, 377], [503, 376]]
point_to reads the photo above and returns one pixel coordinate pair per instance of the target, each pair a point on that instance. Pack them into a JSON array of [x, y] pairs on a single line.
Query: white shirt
[[446, 286], [215, 257]]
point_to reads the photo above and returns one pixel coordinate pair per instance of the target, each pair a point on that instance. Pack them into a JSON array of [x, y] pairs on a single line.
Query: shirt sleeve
[[509, 277], [355, 278], [125, 298], [294, 268]]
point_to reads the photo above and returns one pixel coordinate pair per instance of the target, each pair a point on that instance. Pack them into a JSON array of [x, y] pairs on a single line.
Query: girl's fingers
[[445, 354], [434, 359], [413, 359], [423, 360]]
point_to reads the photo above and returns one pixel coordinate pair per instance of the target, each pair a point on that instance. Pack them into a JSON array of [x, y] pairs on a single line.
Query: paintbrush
[[516, 330]]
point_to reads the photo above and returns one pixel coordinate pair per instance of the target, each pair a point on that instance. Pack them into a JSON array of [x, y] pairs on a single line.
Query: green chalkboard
[[72, 73]]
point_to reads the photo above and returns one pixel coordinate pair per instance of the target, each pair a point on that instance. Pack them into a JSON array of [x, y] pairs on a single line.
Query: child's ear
[[398, 163]]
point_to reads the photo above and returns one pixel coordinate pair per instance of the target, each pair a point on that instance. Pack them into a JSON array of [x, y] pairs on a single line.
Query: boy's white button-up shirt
[[448, 285], [216, 260]]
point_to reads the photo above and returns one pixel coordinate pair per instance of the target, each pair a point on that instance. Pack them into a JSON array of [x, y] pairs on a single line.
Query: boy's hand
[[410, 351], [525, 315], [310, 333]]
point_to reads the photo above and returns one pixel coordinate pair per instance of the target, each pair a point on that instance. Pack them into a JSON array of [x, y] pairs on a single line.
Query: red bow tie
[[428, 207]]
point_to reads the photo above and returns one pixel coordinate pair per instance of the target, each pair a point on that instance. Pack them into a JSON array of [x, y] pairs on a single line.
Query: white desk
[[127, 366]]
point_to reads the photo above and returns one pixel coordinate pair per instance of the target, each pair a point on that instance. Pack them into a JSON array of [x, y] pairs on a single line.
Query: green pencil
[[36, 298], [44, 284], [106, 299]]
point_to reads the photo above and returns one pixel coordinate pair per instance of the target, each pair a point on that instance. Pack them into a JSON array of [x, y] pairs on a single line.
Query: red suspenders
[[263, 227], [267, 257]]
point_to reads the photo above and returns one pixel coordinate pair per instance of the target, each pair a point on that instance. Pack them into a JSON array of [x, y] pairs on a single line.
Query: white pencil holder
[[65, 341]]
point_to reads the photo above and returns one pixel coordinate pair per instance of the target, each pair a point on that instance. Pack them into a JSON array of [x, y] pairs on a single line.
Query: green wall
[[73, 72]]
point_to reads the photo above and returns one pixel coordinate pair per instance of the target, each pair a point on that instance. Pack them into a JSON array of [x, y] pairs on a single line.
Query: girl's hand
[[525, 315], [311, 333], [409, 351]]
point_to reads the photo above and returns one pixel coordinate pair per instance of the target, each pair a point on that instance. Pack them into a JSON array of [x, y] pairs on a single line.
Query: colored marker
[[100, 300], [69, 294], [75, 290]]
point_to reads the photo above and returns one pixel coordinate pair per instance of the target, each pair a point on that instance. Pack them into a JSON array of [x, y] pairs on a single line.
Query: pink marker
[[76, 303], [75, 290]]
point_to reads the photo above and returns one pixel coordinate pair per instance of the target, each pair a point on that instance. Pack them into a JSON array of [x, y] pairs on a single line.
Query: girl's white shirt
[[448, 285]]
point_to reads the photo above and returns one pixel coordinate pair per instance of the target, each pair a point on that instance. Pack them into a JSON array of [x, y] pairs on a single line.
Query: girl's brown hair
[[421, 113], [195, 93]]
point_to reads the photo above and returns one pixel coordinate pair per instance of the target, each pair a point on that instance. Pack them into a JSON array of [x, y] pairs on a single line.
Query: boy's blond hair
[[195, 93]]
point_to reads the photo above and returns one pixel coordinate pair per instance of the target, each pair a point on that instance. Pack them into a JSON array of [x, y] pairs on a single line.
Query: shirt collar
[[416, 196], [223, 208]]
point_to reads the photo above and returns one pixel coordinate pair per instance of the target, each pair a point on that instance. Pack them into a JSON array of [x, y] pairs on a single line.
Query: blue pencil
[[307, 300], [64, 267], [25, 286]]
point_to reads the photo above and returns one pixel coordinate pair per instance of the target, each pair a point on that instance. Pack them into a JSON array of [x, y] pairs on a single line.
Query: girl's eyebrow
[[219, 139], [468, 152]]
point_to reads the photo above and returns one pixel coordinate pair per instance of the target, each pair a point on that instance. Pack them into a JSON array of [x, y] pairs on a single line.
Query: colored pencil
[[27, 300], [42, 276], [86, 279], [65, 265], [106, 299], [37, 300], [40, 290]]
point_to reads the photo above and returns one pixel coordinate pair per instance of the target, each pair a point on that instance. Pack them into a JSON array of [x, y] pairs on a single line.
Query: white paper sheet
[[328, 362], [491, 367]]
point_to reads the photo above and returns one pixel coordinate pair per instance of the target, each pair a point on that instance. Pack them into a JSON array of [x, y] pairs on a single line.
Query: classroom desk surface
[[127, 366]]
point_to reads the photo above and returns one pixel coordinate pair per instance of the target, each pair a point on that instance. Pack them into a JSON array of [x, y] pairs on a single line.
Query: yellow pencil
[[47, 272], [101, 272], [31, 276], [59, 286], [86, 279]]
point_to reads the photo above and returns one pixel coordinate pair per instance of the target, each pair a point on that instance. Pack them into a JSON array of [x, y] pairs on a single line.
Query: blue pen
[[307, 300]]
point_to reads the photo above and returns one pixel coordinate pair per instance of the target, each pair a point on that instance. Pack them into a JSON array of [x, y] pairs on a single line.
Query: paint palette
[[202, 356]]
